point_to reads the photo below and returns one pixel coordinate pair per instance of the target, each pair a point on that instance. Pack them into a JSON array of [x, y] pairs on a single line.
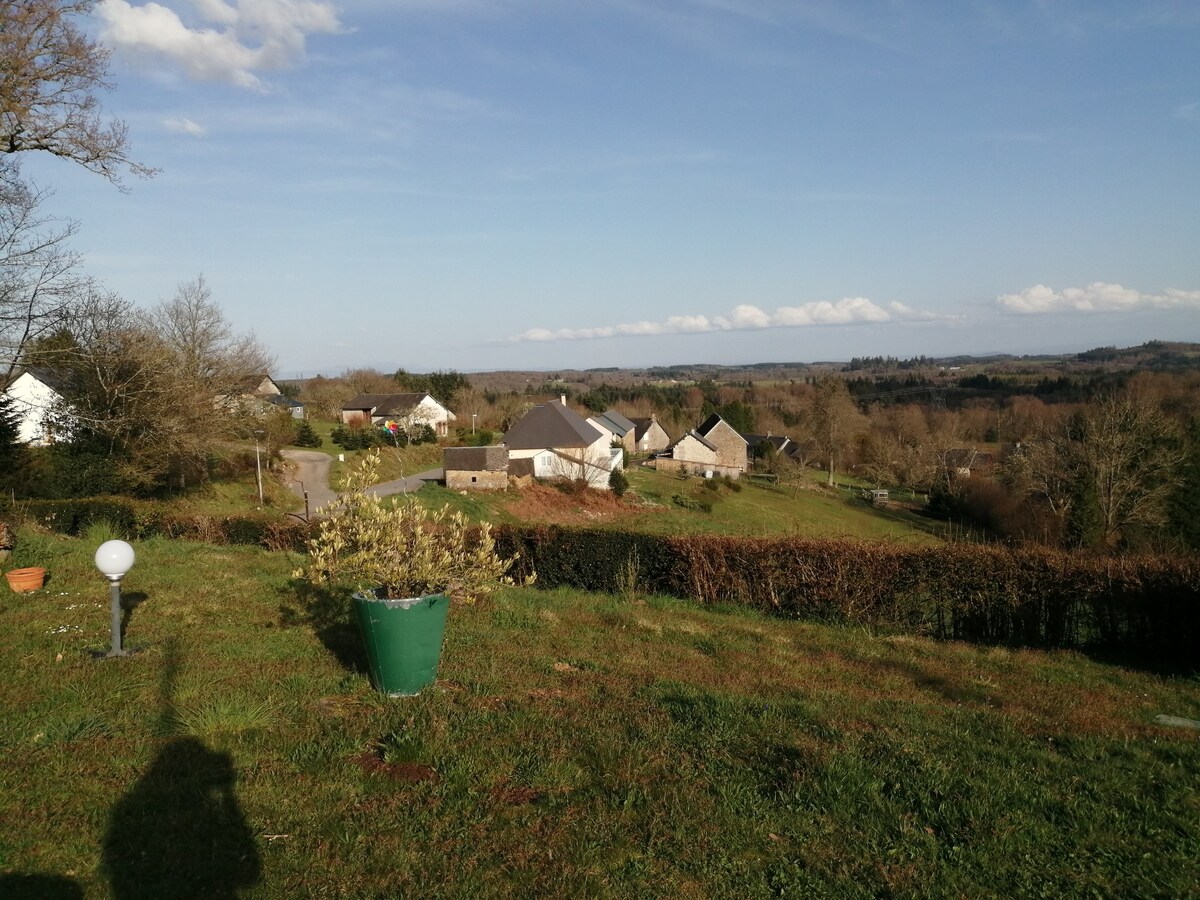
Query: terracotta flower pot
[[25, 580]]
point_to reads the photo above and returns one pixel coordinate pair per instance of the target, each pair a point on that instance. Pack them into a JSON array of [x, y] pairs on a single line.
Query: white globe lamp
[[114, 559]]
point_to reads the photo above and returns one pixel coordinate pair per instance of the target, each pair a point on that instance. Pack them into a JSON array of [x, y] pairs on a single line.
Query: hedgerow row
[[1140, 606]]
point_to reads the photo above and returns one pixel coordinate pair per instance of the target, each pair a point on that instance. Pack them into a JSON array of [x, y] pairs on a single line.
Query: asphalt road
[[311, 473]]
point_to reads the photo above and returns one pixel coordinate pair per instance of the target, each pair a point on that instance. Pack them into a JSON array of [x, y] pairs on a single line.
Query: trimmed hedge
[[139, 521], [1140, 606]]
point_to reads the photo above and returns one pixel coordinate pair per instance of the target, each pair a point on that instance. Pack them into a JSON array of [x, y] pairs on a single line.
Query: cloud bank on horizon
[[1097, 297], [231, 42], [746, 317]]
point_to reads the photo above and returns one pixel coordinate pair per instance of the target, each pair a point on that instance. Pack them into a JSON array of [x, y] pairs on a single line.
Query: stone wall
[[674, 466], [476, 481], [731, 446]]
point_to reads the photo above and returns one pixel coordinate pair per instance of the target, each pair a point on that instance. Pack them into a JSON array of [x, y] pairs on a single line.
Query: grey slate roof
[[56, 381], [384, 404], [551, 425], [641, 426], [615, 422], [778, 441], [475, 459]]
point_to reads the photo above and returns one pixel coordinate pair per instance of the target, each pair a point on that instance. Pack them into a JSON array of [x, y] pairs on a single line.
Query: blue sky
[[542, 184]]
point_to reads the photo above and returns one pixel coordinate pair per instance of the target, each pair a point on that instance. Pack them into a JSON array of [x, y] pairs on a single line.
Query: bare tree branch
[[50, 73], [40, 278]]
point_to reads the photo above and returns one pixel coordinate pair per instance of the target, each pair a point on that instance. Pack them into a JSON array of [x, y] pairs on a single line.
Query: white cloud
[[1096, 297], [238, 39], [180, 125], [745, 317]]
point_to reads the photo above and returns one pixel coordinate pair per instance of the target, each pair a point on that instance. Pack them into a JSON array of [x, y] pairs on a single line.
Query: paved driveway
[[312, 474]]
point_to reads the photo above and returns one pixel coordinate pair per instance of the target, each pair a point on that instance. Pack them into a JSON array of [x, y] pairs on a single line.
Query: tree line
[[149, 395]]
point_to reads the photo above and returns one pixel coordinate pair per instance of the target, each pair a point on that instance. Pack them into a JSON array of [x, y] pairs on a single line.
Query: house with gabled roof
[[39, 403], [562, 445], [779, 443], [619, 428], [476, 468], [259, 384], [732, 448], [410, 410], [649, 436], [713, 448]]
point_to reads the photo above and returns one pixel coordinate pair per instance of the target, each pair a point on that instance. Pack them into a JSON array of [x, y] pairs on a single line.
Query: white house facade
[[563, 445], [407, 409], [33, 402]]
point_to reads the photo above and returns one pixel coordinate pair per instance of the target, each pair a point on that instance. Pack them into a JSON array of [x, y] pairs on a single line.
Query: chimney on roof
[[563, 399]]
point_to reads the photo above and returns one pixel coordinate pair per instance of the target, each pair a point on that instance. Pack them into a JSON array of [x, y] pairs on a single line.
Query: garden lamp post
[[114, 559]]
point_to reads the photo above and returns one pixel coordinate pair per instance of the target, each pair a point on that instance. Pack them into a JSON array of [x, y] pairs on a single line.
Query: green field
[[757, 509], [574, 745]]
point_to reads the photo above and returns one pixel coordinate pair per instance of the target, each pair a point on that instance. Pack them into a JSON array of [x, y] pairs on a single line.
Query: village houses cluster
[[551, 441]]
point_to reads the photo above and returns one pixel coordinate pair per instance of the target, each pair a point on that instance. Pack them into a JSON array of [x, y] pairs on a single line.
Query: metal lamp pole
[[114, 559]]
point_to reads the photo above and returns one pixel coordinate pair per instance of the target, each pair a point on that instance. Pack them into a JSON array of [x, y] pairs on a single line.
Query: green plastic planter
[[404, 640]]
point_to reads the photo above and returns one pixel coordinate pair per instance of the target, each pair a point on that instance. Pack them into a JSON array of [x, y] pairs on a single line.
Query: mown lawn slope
[[574, 745]]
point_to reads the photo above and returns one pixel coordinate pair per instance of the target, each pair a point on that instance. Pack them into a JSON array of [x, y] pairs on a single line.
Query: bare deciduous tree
[[50, 74], [159, 392], [40, 279], [1127, 453], [207, 352], [834, 419], [1113, 465]]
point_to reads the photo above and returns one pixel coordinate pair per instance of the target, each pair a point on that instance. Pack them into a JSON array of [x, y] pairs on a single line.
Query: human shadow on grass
[[328, 612], [179, 830]]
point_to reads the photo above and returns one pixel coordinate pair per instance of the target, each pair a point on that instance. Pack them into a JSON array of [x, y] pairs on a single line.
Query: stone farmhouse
[[649, 436], [410, 410], [476, 468], [713, 448]]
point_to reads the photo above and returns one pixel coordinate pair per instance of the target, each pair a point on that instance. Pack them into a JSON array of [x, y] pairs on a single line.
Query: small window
[[473, 479]]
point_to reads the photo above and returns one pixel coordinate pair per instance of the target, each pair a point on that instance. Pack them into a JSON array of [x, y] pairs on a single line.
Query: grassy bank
[[658, 503], [575, 744]]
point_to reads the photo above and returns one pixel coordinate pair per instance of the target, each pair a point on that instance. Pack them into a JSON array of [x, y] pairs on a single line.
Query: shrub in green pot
[[403, 564]]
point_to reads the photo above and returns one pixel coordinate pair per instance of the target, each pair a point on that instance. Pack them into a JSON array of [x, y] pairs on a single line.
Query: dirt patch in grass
[[515, 795], [541, 503], [371, 762]]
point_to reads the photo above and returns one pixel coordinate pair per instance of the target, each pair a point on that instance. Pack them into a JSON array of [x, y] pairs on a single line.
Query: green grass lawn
[[766, 509], [757, 509], [574, 745]]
